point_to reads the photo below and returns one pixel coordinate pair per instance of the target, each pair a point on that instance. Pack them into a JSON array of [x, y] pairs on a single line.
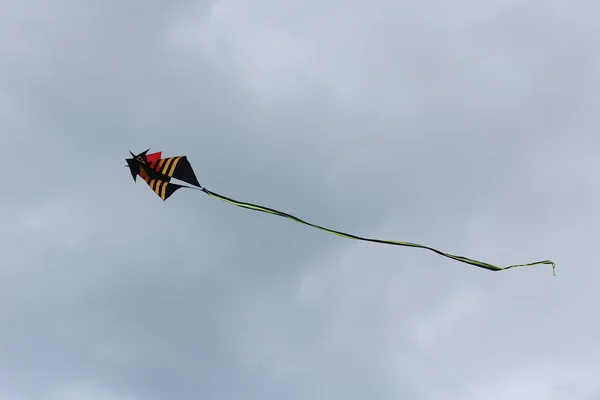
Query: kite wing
[[158, 171], [174, 167], [162, 187]]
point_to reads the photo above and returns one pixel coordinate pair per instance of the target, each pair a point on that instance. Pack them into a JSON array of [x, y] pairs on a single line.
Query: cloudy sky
[[470, 126]]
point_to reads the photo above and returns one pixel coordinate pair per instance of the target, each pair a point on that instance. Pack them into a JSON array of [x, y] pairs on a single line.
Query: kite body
[[158, 172]]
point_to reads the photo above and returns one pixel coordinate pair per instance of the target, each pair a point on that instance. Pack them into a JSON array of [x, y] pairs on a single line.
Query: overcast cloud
[[470, 126]]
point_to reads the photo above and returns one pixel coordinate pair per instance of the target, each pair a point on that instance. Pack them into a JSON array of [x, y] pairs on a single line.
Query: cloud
[[470, 129], [84, 391], [455, 318]]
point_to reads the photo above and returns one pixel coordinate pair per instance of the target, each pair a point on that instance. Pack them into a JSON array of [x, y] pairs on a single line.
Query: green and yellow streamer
[[480, 264]]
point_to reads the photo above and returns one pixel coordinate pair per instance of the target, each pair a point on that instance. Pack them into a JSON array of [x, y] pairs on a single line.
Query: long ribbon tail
[[466, 260]]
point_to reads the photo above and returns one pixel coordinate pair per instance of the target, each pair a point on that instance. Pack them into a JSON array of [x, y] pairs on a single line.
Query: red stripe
[[153, 156]]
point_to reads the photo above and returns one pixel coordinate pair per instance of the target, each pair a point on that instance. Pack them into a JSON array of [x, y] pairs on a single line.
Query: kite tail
[[480, 264]]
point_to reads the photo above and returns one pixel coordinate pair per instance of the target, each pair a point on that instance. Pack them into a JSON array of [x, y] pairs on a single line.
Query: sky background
[[470, 126]]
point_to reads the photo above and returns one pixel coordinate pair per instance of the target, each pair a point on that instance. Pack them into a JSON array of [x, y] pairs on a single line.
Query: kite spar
[[158, 172]]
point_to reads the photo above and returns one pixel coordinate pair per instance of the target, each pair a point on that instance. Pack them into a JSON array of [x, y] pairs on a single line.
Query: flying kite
[[158, 172]]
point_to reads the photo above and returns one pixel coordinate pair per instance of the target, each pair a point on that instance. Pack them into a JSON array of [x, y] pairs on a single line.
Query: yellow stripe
[[174, 165], [164, 170], [163, 191], [157, 187]]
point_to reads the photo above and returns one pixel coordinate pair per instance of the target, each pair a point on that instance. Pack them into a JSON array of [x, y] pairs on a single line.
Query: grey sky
[[470, 126]]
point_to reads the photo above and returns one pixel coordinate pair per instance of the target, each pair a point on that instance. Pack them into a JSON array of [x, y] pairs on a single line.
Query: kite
[[158, 172]]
